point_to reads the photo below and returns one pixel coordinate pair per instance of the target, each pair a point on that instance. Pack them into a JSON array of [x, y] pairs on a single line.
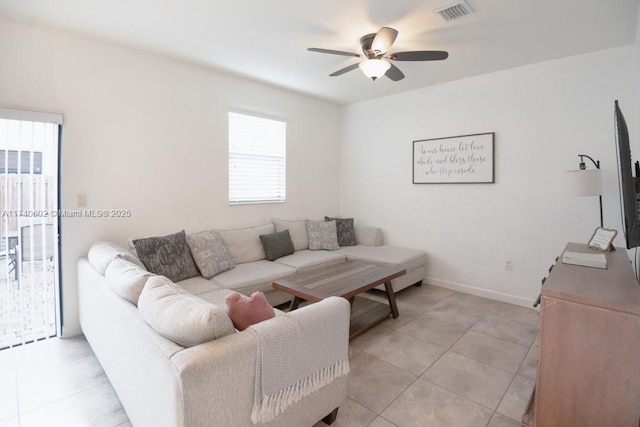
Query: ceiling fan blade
[[394, 73], [344, 70], [420, 55], [333, 52], [383, 40]]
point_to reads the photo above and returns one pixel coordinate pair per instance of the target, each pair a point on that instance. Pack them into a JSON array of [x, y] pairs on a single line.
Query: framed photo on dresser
[[602, 239]]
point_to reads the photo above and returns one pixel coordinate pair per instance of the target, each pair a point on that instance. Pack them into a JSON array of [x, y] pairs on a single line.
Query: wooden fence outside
[[23, 198]]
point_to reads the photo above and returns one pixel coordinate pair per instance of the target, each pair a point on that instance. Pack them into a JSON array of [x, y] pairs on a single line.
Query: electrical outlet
[[82, 200], [508, 264]]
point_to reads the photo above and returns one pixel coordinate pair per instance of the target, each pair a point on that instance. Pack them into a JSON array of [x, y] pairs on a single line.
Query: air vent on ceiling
[[454, 11]]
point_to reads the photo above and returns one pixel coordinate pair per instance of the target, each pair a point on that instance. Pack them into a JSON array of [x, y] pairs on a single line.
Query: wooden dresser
[[589, 350]]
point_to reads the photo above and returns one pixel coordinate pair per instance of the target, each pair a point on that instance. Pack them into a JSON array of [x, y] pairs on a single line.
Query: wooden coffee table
[[346, 279]]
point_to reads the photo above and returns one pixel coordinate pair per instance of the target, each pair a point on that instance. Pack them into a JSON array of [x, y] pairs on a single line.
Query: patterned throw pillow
[[277, 244], [346, 232], [322, 235], [209, 253], [167, 256]]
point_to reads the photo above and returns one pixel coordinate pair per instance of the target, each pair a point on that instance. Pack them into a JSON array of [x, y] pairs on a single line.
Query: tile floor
[[450, 359]]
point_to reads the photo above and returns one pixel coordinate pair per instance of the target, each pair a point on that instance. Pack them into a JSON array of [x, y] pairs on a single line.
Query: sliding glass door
[[29, 267]]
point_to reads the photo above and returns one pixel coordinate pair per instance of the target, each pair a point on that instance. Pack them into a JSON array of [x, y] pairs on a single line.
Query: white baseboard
[[70, 331], [499, 296]]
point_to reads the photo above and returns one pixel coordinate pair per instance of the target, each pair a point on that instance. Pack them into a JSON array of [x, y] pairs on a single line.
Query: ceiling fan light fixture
[[376, 61], [374, 68]]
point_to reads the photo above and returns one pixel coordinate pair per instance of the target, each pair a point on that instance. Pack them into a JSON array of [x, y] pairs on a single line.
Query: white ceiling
[[267, 40]]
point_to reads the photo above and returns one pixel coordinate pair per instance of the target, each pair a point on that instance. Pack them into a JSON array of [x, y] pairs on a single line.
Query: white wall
[[147, 133], [543, 116]]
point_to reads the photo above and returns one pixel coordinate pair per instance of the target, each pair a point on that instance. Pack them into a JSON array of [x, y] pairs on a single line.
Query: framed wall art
[[454, 159], [602, 239]]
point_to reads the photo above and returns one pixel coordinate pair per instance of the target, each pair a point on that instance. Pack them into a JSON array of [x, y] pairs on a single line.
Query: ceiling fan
[[375, 47]]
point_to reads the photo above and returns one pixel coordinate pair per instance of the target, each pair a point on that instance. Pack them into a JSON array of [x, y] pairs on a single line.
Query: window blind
[[257, 159], [28, 227]]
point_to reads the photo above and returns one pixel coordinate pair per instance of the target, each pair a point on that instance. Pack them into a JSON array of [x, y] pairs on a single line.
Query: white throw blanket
[[298, 355]]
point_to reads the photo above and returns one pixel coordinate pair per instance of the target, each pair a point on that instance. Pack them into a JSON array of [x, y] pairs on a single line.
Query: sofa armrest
[[218, 378], [369, 236]]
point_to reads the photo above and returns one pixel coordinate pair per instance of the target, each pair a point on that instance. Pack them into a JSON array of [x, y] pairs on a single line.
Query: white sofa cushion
[[102, 253], [243, 244], [409, 259], [209, 253], [217, 296], [179, 316], [370, 236], [254, 276], [297, 231], [197, 285], [126, 279], [301, 260]]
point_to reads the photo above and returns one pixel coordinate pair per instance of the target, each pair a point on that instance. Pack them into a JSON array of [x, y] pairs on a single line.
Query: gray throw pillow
[[277, 244], [322, 235], [297, 231], [346, 231], [167, 256], [209, 253]]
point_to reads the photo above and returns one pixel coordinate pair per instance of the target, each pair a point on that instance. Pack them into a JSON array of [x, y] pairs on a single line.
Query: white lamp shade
[[374, 68], [586, 182]]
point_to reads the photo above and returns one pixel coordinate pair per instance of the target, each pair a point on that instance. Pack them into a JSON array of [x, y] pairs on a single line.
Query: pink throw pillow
[[247, 311]]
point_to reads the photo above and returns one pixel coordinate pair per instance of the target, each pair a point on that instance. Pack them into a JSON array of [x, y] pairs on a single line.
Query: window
[[257, 159]]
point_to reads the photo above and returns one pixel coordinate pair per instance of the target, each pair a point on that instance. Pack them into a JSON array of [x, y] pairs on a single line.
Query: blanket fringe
[[272, 405]]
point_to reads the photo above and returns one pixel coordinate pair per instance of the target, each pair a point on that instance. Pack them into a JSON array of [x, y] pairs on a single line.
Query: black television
[[628, 184]]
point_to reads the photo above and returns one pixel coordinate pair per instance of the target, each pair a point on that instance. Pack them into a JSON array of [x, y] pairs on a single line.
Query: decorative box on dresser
[[589, 346]]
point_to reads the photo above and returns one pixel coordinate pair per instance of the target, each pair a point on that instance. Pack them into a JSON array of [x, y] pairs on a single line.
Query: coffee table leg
[[391, 296], [295, 302]]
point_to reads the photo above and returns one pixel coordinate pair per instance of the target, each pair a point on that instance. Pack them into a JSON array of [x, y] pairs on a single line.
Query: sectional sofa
[[172, 370], [253, 272]]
